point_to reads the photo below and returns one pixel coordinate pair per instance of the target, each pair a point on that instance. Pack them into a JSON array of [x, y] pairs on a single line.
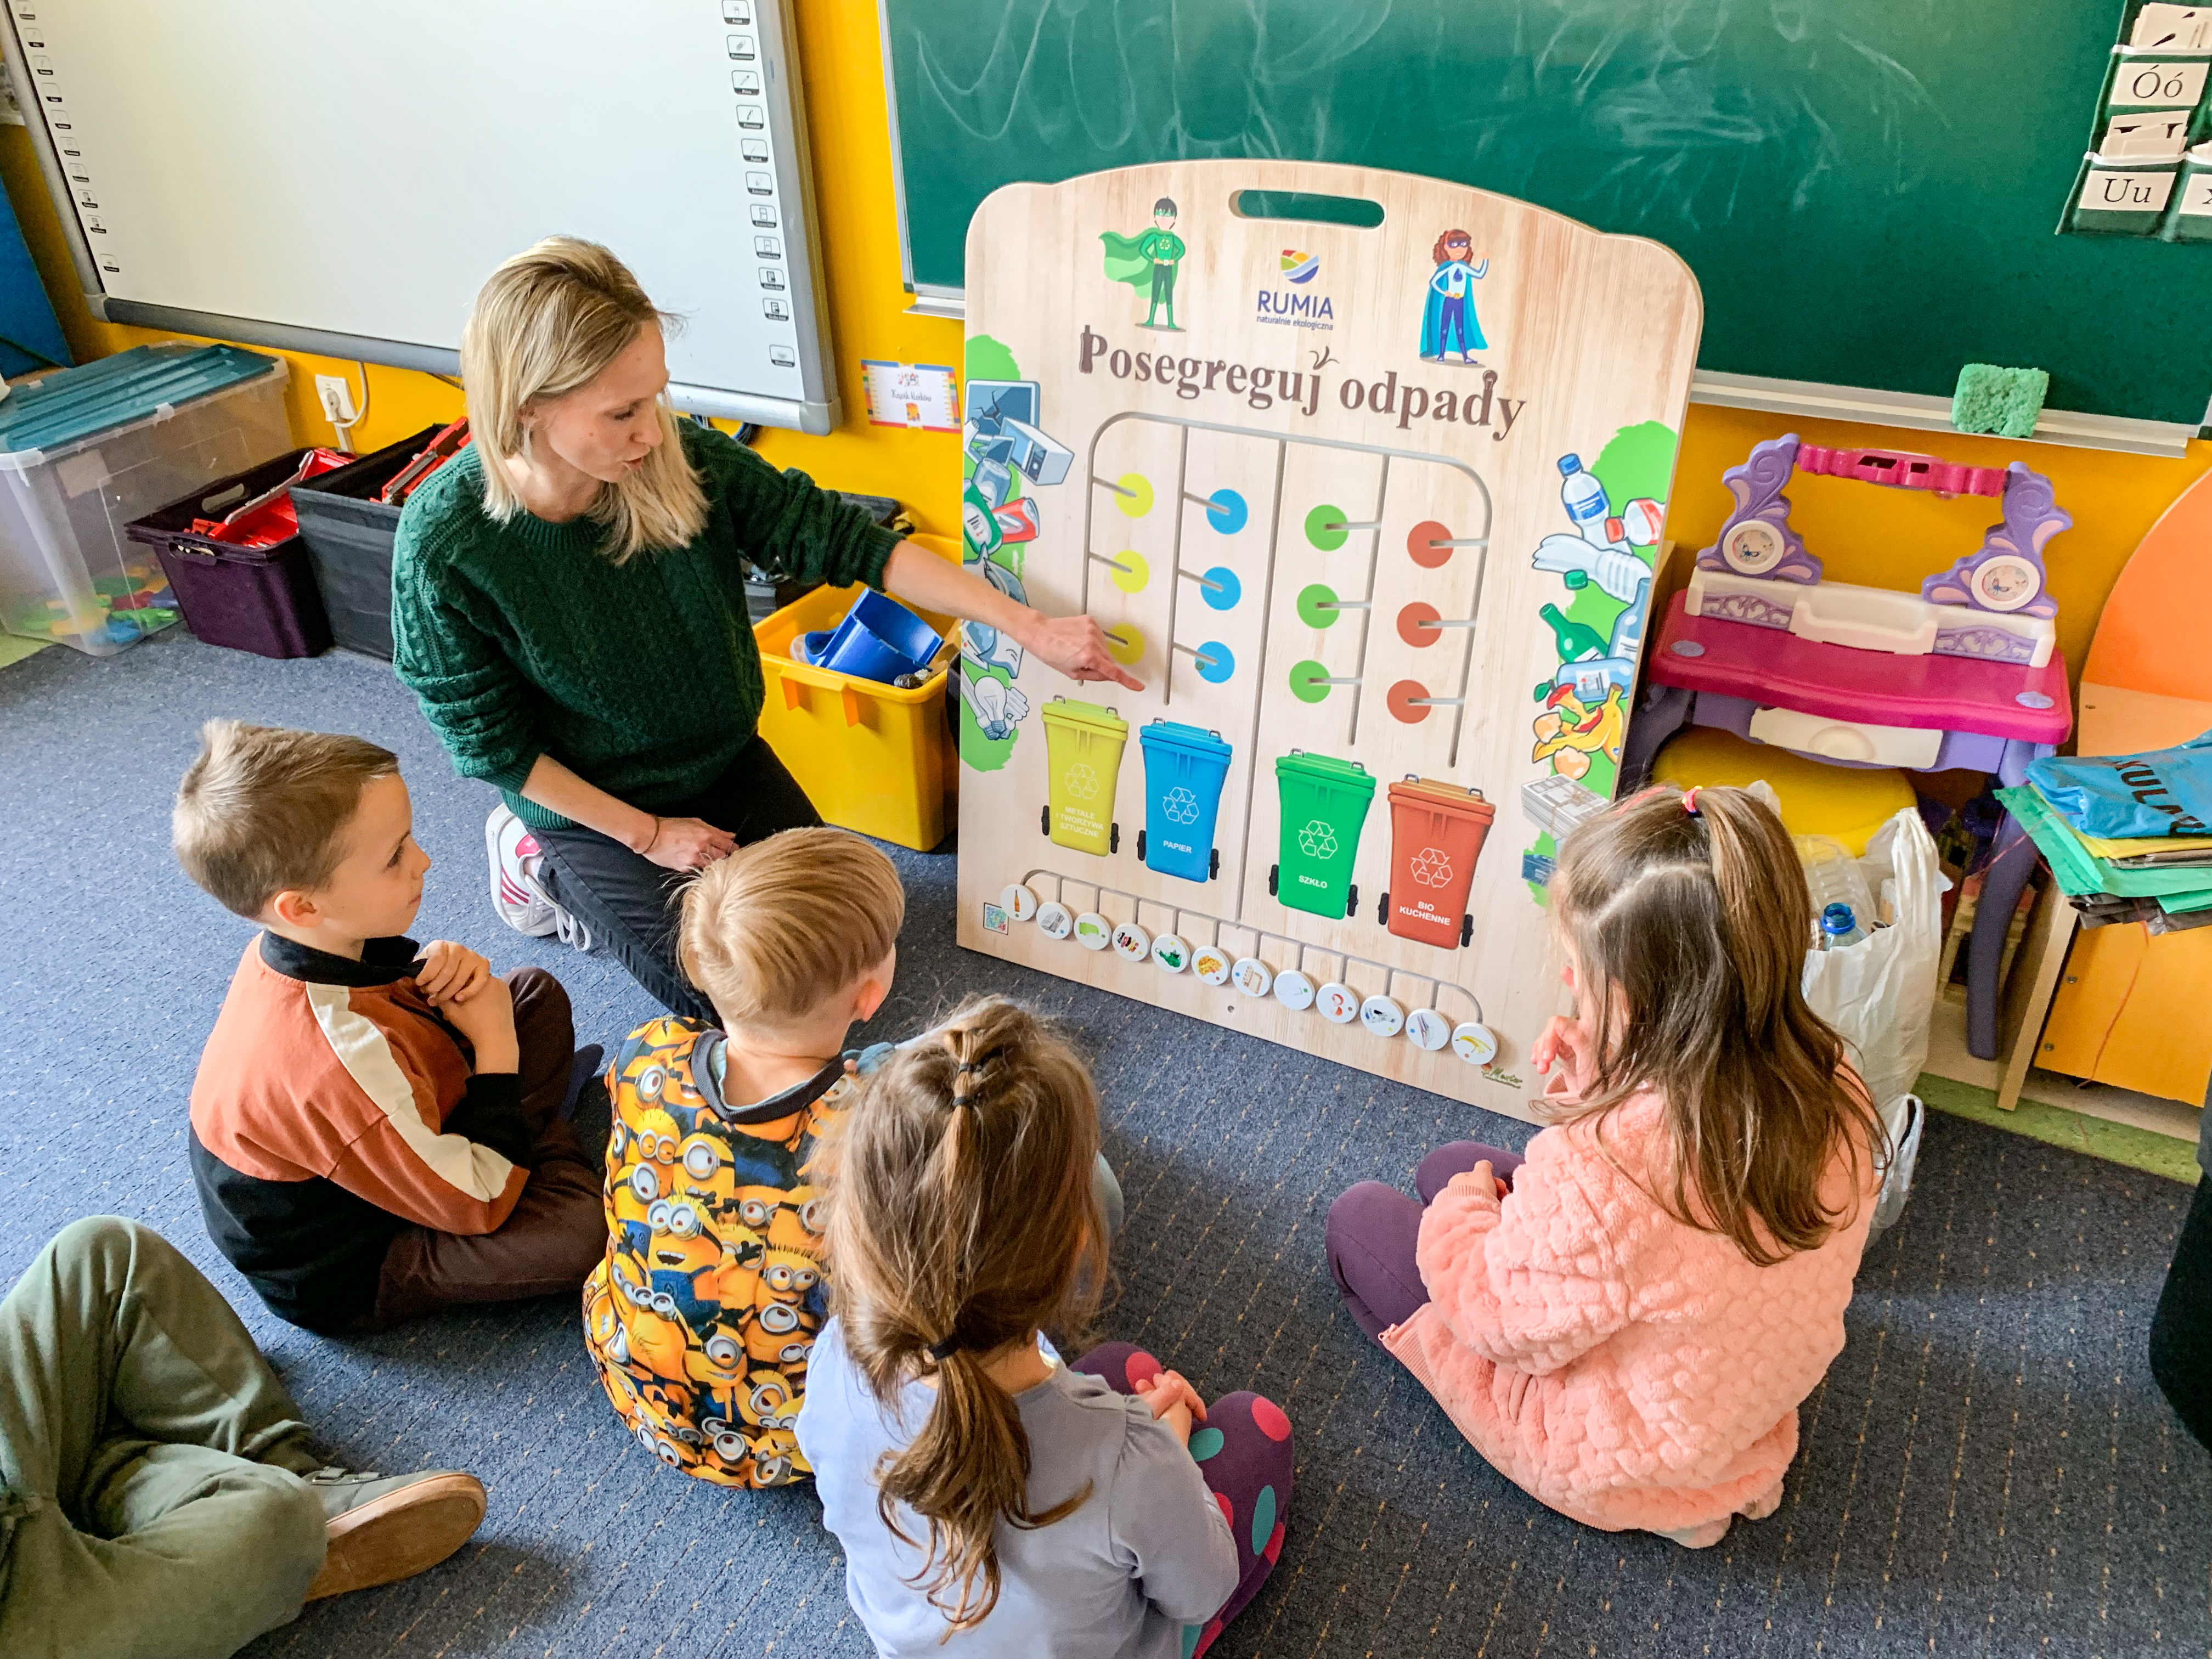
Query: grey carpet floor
[[1988, 1470]]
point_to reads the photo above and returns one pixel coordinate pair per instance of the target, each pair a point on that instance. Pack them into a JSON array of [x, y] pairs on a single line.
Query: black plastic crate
[[349, 535]]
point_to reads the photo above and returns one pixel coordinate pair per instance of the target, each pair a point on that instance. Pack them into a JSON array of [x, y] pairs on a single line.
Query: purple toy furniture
[[1964, 673]]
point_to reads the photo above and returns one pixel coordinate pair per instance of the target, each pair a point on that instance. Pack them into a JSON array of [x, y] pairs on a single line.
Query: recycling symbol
[[1082, 782], [1179, 805], [1431, 867], [1318, 839]]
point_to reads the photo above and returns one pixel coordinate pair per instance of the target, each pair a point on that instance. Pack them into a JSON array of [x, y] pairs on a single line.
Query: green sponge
[[2003, 401]]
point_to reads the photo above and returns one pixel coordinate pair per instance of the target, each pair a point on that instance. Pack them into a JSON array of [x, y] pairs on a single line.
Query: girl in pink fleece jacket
[[1625, 1323]]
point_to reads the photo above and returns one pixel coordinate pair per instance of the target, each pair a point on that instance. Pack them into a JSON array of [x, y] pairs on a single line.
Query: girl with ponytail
[[992, 1499], [1625, 1323]]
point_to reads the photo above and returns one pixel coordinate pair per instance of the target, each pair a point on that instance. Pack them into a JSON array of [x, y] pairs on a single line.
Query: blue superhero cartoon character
[[1447, 320]]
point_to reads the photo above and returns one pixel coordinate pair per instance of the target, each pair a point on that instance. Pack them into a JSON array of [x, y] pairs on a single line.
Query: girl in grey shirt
[[992, 1500]]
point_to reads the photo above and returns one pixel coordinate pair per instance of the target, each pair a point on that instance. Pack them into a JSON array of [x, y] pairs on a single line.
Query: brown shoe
[[384, 1528]]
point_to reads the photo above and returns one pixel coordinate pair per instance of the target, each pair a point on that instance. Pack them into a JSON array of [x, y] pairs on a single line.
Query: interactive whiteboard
[[341, 179]]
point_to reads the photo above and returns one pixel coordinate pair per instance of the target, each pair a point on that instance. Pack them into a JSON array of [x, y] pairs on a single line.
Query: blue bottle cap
[[1570, 464], [1838, 919]]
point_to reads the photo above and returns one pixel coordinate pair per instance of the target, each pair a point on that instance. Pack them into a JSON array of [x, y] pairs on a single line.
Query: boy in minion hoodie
[[702, 1314]]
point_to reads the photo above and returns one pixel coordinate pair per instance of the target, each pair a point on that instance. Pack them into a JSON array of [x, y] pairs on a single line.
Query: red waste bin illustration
[[1436, 832]]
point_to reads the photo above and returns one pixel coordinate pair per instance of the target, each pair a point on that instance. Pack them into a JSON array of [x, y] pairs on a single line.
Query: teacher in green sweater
[[568, 602]]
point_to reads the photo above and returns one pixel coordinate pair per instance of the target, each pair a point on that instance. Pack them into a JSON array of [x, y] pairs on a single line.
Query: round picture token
[[1309, 681], [1131, 571], [1211, 963], [1753, 547], [2005, 583], [1408, 702], [1055, 920], [1472, 1042], [1134, 494], [1294, 990], [1221, 589], [1252, 976], [1316, 605], [1171, 952], [1417, 625], [1429, 544], [1227, 511], [1124, 643], [1427, 1028], [1093, 932], [1216, 662], [1131, 942], [1382, 1015], [1018, 902], [1339, 1004], [1325, 527]]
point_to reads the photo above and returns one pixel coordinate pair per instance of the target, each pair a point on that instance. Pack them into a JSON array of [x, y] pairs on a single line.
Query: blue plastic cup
[[879, 639]]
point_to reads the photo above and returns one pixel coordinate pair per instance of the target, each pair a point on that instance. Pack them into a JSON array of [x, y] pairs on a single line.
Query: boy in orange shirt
[[376, 1130]]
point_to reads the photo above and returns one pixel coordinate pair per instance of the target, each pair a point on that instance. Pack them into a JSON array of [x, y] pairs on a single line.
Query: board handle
[[1284, 203]]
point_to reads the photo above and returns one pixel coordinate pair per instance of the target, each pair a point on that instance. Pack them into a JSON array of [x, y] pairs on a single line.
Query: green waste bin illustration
[[1324, 803], [1082, 745]]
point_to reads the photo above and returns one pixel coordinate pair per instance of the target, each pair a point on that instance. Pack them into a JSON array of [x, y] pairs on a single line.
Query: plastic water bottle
[[1839, 928], [1583, 497], [1628, 627]]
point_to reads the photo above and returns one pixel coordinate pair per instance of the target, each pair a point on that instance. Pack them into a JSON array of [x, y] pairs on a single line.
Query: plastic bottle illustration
[[1839, 928], [1583, 496], [1628, 626], [1578, 563]]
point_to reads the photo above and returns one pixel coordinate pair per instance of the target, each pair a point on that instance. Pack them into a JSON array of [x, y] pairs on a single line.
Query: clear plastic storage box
[[84, 451]]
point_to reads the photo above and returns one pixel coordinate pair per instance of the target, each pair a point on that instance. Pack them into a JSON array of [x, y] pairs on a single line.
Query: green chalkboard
[[1865, 188]]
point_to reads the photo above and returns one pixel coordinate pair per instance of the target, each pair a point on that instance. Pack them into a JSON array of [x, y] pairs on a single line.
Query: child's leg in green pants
[[151, 1459]]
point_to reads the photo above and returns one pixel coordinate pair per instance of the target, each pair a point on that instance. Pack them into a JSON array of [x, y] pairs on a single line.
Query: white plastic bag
[[1879, 993]]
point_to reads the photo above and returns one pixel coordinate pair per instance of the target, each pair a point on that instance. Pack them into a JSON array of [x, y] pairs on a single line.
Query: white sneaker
[[516, 892]]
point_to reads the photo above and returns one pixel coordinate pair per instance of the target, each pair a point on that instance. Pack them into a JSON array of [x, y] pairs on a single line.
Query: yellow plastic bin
[[1083, 750], [870, 757]]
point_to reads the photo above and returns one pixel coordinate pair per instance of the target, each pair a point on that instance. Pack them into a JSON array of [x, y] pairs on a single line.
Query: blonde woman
[[568, 606]]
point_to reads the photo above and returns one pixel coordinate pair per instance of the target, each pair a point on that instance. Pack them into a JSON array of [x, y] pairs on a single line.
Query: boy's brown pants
[[557, 1230]]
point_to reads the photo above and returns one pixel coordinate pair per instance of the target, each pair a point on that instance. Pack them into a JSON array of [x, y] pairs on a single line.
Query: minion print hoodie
[[334, 1107], [702, 1318]]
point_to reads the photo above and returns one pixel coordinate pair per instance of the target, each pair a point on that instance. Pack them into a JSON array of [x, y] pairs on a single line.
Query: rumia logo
[[1298, 267]]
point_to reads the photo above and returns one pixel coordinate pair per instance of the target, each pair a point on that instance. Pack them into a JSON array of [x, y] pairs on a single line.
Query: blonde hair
[[262, 810], [777, 927], [545, 324], [962, 1218], [1690, 930]]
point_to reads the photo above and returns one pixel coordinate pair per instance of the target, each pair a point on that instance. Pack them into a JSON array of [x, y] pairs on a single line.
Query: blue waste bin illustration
[[1184, 769]]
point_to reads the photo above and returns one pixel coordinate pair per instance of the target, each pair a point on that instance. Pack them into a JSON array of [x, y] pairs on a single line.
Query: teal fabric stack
[[2128, 836]]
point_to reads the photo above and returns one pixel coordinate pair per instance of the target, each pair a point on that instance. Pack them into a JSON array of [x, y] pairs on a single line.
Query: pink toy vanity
[[1964, 673]]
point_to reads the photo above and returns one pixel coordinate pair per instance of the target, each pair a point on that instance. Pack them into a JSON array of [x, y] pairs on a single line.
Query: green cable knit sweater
[[522, 639]]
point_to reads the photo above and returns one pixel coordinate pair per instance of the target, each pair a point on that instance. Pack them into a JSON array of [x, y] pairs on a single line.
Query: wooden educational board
[[1865, 190], [1389, 516]]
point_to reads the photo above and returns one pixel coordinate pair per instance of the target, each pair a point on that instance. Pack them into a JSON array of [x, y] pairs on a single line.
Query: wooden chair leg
[[2029, 988]]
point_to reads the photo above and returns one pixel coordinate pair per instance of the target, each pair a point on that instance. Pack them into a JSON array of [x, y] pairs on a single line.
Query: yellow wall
[[1884, 538]]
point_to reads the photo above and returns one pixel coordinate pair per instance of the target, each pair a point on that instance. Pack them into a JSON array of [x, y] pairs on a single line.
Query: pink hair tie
[[1690, 799]]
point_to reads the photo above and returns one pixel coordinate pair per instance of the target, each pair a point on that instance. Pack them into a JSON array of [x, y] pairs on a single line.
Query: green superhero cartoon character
[[1148, 263]]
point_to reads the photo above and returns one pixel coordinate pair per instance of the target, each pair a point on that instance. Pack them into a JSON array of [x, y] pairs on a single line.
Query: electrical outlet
[[336, 394]]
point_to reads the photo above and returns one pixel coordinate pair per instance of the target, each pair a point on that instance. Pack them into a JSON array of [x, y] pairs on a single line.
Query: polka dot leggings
[[1244, 1451]]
